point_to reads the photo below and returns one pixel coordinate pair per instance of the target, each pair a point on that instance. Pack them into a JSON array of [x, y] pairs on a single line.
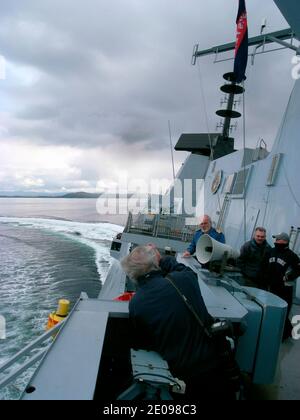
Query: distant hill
[[97, 195], [22, 194], [81, 194], [112, 195]]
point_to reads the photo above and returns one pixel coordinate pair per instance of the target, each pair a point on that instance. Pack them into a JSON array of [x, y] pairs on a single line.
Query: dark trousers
[[250, 282], [288, 297], [286, 293], [207, 387], [257, 282]]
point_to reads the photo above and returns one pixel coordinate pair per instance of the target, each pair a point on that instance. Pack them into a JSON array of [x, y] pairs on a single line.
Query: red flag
[[241, 47]]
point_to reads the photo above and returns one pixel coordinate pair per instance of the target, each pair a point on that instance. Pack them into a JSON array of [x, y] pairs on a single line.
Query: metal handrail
[[16, 373], [33, 345], [166, 226]]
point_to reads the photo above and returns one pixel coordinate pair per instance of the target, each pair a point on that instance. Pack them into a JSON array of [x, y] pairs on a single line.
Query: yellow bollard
[[58, 316]]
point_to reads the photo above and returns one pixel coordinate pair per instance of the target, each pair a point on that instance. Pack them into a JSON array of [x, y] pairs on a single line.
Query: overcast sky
[[90, 86]]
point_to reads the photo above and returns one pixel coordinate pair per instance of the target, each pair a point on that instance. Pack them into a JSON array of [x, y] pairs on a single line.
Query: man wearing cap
[[205, 228], [282, 267]]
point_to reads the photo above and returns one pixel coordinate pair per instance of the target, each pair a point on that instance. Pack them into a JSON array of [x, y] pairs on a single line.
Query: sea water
[[43, 259]]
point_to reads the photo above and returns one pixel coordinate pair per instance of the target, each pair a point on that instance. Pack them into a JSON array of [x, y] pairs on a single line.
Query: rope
[[284, 121], [207, 124], [275, 152], [244, 147], [290, 187], [171, 147], [205, 112]]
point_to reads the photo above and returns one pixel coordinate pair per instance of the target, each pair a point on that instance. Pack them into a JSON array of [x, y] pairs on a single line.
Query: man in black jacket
[[282, 267], [162, 322], [252, 255]]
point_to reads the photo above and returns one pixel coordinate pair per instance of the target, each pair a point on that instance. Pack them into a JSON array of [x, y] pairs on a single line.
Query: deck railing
[[26, 358], [160, 225]]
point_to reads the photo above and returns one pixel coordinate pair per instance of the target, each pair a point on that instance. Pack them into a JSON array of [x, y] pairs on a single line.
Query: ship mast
[[231, 89]]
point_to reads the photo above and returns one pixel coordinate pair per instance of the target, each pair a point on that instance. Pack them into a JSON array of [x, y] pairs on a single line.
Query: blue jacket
[[160, 320], [212, 233]]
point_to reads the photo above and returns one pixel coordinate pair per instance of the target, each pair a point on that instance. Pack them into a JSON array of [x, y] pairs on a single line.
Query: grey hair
[[207, 217], [139, 262]]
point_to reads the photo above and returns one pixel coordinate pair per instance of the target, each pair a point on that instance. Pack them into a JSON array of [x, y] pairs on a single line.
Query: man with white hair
[[205, 228], [162, 322]]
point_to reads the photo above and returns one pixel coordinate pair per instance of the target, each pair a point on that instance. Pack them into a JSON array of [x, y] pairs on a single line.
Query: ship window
[[274, 169], [115, 246], [228, 185], [241, 182]]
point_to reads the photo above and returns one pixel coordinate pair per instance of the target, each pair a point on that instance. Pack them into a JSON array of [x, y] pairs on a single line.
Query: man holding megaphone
[[205, 229]]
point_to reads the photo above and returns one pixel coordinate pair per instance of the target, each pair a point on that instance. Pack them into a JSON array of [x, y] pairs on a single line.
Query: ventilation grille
[[240, 183]]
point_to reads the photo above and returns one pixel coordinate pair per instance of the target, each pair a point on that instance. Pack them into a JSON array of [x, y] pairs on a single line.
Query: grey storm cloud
[[113, 72]]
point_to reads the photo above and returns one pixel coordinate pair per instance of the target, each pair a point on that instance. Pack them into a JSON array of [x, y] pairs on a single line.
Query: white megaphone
[[208, 249]]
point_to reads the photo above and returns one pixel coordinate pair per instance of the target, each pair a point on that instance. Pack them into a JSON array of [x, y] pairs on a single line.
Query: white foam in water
[[86, 233], [94, 235]]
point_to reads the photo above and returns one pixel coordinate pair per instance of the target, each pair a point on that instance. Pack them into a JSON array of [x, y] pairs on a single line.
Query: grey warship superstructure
[[91, 357]]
